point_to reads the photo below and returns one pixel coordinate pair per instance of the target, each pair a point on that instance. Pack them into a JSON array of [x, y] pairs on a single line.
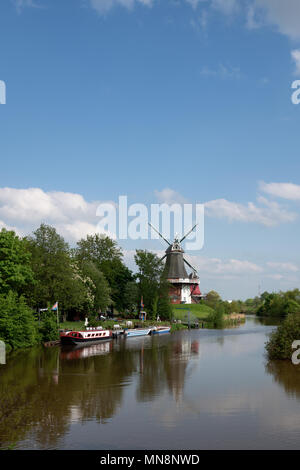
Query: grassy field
[[199, 311]]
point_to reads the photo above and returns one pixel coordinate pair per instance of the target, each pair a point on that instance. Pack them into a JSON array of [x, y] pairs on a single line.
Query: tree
[[98, 249], [58, 278], [130, 296], [212, 299], [17, 323], [149, 274], [280, 342], [107, 257], [153, 286], [48, 326], [279, 304], [15, 266], [98, 286]]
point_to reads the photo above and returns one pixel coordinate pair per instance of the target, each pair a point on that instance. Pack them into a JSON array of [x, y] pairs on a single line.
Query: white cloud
[[24, 209], [284, 14], [296, 58], [222, 71], [275, 277], [266, 212], [289, 191], [251, 17], [220, 267], [285, 267], [212, 267], [169, 196], [193, 3], [20, 4], [8, 227], [225, 6], [104, 6], [269, 213]]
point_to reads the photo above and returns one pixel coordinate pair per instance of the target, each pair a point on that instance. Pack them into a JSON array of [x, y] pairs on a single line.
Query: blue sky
[[160, 101]]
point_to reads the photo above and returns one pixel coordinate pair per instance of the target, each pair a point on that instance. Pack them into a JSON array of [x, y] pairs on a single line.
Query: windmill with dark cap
[[184, 287]]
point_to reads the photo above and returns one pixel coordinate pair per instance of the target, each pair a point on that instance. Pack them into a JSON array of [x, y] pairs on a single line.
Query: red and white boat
[[85, 337]]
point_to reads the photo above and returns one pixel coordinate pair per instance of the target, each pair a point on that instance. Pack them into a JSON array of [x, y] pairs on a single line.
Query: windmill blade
[[192, 267], [161, 259], [159, 234], [188, 233]]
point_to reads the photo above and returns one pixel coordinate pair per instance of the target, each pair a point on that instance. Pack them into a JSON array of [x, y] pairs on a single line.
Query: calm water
[[204, 389]]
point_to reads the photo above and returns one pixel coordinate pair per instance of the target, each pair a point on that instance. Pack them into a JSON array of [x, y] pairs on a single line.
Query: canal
[[199, 389]]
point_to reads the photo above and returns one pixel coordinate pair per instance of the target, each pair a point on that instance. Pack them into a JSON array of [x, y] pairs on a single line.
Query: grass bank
[[198, 311]]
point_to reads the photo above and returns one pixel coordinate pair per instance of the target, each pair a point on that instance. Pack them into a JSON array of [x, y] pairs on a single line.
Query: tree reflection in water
[[42, 391], [287, 375]]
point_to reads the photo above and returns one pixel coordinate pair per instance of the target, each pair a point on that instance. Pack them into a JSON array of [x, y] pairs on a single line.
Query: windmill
[[184, 288]]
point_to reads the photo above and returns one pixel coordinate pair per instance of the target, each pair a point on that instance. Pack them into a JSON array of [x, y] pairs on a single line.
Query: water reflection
[[287, 375], [42, 391], [178, 390]]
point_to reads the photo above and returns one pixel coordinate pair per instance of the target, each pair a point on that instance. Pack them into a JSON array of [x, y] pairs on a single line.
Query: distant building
[[184, 287]]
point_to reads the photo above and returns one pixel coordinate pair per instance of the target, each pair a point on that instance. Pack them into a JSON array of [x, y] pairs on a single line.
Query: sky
[[175, 101]]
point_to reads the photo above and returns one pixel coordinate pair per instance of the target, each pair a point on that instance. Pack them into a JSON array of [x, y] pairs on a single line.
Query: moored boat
[[159, 330], [137, 332], [85, 337]]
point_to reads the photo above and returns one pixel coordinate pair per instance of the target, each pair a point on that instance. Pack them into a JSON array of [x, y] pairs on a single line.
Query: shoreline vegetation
[[91, 279]]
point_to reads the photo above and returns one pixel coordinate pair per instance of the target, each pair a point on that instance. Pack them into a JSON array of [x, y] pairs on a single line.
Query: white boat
[[137, 332], [85, 337], [159, 330]]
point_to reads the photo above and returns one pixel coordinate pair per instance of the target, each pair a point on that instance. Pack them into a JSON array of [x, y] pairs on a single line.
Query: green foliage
[[153, 286], [131, 296], [17, 323], [94, 321], [250, 306], [58, 277], [177, 327], [217, 317], [164, 307], [48, 327], [98, 249], [280, 342], [105, 254], [98, 285], [15, 268], [212, 299], [279, 304]]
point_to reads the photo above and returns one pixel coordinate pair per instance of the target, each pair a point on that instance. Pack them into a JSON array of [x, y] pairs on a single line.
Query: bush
[[94, 321], [48, 327], [178, 327], [217, 317], [280, 342], [17, 323]]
